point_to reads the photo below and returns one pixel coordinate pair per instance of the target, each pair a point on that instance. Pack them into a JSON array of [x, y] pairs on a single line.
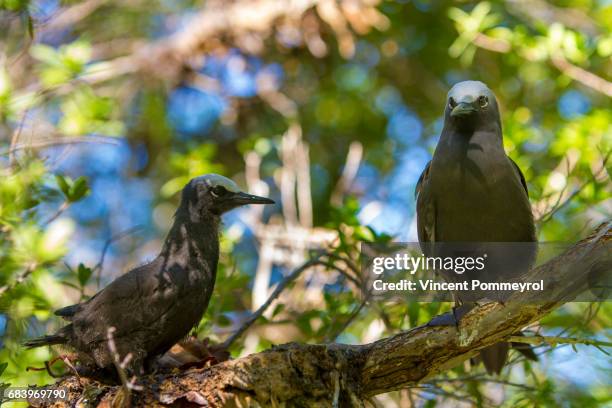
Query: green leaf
[[278, 309], [223, 321], [413, 313], [46, 54], [3, 367], [83, 274], [64, 184], [79, 189], [430, 403]]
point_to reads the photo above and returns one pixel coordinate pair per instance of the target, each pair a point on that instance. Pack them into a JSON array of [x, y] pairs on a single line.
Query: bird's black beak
[[241, 198], [464, 108]]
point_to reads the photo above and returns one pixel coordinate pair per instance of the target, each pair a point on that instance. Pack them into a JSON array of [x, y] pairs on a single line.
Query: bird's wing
[[426, 214], [520, 174], [422, 179], [68, 312], [122, 304]]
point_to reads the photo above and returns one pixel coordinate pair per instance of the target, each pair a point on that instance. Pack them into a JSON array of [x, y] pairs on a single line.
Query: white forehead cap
[[214, 180], [472, 88]]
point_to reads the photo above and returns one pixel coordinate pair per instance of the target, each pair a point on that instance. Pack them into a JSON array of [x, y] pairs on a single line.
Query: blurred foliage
[[102, 122]]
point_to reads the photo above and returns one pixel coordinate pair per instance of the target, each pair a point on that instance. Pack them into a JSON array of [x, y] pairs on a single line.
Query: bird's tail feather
[[494, 357], [45, 341], [525, 349]]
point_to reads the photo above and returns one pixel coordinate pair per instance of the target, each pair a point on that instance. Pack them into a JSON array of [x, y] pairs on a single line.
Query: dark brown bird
[[155, 305], [472, 192]]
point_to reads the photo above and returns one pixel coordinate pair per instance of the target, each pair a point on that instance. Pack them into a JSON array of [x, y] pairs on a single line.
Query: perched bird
[[155, 305], [472, 192]]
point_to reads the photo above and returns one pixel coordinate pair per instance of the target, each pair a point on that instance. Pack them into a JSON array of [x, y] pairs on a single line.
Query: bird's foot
[[217, 352], [68, 360], [451, 318], [206, 353], [192, 352]]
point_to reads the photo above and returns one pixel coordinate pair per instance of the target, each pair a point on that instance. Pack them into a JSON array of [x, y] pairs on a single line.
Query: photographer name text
[[466, 285]]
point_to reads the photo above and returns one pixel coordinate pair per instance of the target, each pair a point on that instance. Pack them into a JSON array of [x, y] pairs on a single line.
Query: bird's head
[[470, 103], [213, 195]]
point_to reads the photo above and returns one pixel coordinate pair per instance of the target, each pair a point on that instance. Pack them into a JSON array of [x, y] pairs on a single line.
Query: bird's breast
[[478, 197]]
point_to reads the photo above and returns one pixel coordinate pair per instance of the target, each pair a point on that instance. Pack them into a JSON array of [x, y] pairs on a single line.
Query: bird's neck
[[460, 140], [193, 245]]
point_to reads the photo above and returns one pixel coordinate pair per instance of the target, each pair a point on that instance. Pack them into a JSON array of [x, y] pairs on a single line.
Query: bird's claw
[[192, 352], [446, 319], [451, 318]]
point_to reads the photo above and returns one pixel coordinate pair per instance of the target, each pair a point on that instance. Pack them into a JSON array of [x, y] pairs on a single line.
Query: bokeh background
[[332, 108]]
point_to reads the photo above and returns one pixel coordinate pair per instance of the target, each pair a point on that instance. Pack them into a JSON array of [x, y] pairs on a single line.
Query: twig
[[582, 75], [59, 212], [341, 271], [302, 175], [350, 319], [277, 291], [359, 285], [560, 204], [97, 269], [459, 397], [591, 312], [483, 379], [538, 11], [553, 340], [15, 138], [69, 16], [71, 366], [288, 176], [575, 72], [350, 264], [120, 366], [112, 348], [19, 280], [351, 166], [47, 367], [59, 142]]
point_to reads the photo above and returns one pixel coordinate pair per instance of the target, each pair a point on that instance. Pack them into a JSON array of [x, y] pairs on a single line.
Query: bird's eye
[[218, 191], [451, 102], [483, 101]]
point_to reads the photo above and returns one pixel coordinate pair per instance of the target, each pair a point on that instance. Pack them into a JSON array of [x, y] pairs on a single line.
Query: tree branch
[[558, 340], [60, 141], [575, 72], [345, 375]]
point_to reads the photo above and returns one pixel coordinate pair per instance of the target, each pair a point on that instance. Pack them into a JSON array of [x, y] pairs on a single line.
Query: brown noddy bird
[[155, 305], [472, 192]]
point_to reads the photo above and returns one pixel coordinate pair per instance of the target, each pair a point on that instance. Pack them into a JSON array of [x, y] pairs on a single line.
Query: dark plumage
[[155, 305], [471, 191]]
